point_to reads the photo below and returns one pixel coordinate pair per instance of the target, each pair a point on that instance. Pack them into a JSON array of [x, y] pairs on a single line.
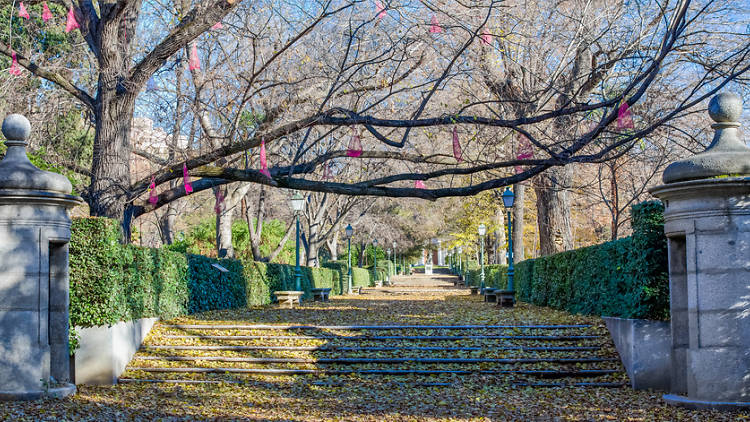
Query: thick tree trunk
[[500, 242], [224, 234], [333, 246], [553, 208], [167, 223], [519, 191]]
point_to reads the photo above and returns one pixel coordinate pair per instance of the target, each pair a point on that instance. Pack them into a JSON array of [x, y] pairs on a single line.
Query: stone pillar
[[707, 223], [34, 236]]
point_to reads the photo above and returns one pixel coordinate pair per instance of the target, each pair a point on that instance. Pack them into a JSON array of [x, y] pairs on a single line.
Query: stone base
[[688, 403], [645, 351], [59, 392]]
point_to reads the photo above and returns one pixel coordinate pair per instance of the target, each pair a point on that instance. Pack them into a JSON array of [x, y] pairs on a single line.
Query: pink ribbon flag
[[380, 9], [22, 12], [46, 14], [194, 62], [72, 23], [624, 118], [486, 37], [152, 198], [456, 146], [186, 180], [15, 69], [435, 27], [418, 184], [263, 162], [217, 25], [355, 145]]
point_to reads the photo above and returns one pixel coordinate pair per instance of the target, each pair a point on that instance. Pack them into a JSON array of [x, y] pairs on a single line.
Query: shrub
[[625, 278]]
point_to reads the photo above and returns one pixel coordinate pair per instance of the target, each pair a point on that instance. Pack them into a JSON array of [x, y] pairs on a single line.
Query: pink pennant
[[194, 62], [72, 23], [15, 69], [380, 9], [418, 184], [327, 174], [525, 150], [456, 146], [216, 26], [624, 118], [486, 37], [219, 201], [435, 27], [355, 145], [186, 180], [152, 198], [46, 14], [22, 12], [263, 162]]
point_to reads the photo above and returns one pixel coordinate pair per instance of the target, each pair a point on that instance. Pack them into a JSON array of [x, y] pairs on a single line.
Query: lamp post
[[375, 260], [298, 204], [508, 297], [388, 272], [460, 263], [482, 231], [349, 231], [395, 259]]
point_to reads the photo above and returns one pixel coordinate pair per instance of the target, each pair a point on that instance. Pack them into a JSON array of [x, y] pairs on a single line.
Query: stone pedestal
[[707, 223], [34, 236]]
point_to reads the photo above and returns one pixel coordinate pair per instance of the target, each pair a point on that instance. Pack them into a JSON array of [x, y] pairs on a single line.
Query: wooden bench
[[490, 294], [287, 298], [320, 294], [474, 290], [506, 298]]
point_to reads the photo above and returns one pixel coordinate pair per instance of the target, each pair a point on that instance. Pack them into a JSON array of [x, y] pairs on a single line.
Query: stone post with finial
[[34, 237], [707, 224]]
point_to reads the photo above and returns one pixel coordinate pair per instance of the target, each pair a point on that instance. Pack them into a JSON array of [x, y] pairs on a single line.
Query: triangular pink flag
[[263, 162], [486, 37], [456, 146], [525, 150], [186, 180], [152, 198], [355, 145], [72, 23], [219, 201], [15, 69], [624, 118], [216, 26], [380, 9], [22, 12], [194, 62], [435, 27], [418, 184], [46, 14]]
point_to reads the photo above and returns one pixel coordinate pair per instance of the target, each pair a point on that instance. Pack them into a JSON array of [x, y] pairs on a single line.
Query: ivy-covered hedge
[[110, 282], [625, 278], [494, 276]]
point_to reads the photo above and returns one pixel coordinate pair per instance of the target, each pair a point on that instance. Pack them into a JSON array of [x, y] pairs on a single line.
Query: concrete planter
[[645, 350], [104, 352]]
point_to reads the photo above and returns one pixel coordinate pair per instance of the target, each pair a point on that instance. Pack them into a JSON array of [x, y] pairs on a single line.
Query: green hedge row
[[625, 278], [110, 282], [494, 276]]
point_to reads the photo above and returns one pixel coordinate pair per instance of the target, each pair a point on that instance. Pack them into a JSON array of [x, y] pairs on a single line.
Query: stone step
[[540, 373], [381, 338], [366, 327], [419, 384], [373, 349], [377, 360]]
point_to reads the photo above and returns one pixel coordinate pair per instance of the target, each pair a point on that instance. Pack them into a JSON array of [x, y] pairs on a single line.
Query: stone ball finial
[[16, 127], [725, 107]]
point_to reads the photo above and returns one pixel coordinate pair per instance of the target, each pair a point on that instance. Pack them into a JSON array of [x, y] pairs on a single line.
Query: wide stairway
[[519, 354]]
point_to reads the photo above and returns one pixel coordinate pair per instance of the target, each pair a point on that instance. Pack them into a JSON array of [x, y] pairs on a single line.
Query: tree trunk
[[224, 234], [167, 223], [500, 242], [553, 208], [333, 246], [519, 190]]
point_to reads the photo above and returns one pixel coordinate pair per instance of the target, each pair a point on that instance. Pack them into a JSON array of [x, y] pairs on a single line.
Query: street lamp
[[482, 231], [509, 296], [460, 263], [349, 231], [375, 260], [298, 204], [388, 273], [395, 259]]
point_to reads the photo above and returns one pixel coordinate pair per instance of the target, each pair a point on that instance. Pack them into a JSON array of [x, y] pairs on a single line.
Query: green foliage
[[625, 278], [361, 277], [210, 288]]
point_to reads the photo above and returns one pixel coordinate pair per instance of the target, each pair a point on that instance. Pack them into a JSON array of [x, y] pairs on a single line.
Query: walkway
[[421, 349]]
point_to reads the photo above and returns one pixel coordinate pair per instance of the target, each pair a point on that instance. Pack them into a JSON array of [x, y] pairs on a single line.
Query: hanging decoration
[[418, 184], [624, 118], [22, 12], [216, 26], [435, 27], [456, 146], [219, 201], [380, 9], [186, 180], [263, 161], [46, 13], [525, 150], [152, 198], [355, 145], [486, 37], [327, 173], [72, 23], [15, 69], [194, 62]]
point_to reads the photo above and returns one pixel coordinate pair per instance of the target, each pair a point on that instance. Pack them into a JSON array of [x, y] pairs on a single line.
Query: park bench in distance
[[320, 294], [287, 298]]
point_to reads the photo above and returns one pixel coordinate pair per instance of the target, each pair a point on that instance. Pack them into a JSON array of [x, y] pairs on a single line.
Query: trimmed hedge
[[110, 282], [495, 276], [626, 278]]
